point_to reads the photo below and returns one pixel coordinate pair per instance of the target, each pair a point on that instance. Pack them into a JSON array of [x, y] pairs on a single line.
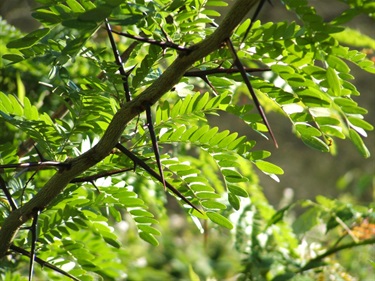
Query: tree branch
[[130, 110]]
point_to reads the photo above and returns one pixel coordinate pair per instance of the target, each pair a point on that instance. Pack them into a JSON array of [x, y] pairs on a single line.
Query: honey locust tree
[[105, 134]]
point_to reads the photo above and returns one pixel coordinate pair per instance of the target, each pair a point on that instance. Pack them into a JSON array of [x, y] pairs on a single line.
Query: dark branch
[[239, 65], [257, 11], [43, 164], [148, 169], [42, 262], [100, 175], [118, 61], [154, 143], [33, 243], [9, 197], [200, 73], [154, 42]]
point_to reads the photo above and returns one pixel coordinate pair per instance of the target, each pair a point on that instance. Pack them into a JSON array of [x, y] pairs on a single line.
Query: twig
[[200, 73], [256, 13], [9, 197], [154, 42], [239, 65], [118, 61], [100, 175], [43, 164], [329, 252], [33, 242], [42, 262], [148, 169]]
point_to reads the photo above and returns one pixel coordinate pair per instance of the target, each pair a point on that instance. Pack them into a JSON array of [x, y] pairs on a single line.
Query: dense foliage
[[96, 66]]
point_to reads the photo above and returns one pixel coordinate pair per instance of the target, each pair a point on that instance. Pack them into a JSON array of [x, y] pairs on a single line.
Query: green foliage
[[92, 228]]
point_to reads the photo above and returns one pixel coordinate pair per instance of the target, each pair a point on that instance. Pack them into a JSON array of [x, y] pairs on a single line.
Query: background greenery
[[262, 245]]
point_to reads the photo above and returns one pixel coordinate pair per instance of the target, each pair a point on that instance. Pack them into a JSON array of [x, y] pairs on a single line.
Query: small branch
[[100, 175], [33, 230], [257, 11], [329, 252], [43, 164], [239, 65], [148, 169], [9, 197], [43, 263], [118, 61], [200, 73], [154, 42]]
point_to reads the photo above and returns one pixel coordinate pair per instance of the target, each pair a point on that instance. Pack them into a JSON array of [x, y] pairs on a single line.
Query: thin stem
[[241, 68], [100, 175], [43, 164], [153, 42], [149, 170], [42, 262], [118, 61], [199, 73], [9, 197], [331, 251]]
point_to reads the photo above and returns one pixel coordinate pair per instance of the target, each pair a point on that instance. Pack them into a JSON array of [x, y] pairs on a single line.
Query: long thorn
[[257, 11], [118, 61], [33, 242], [9, 197], [239, 65], [141, 163], [154, 141]]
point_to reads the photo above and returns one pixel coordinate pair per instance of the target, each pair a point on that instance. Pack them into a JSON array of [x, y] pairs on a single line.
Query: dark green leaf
[[306, 221], [29, 40], [13, 57]]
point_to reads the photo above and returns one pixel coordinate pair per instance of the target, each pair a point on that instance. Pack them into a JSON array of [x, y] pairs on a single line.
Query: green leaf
[[148, 229], [338, 64], [306, 130], [113, 242], [75, 6], [234, 201], [213, 205], [149, 238], [268, 167], [359, 144], [141, 213], [237, 190], [97, 14], [145, 220], [316, 143], [333, 81], [306, 221], [279, 215], [29, 40], [46, 17], [219, 219], [13, 57]]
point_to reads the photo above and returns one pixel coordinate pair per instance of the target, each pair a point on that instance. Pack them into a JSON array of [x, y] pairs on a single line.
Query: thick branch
[[130, 110]]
